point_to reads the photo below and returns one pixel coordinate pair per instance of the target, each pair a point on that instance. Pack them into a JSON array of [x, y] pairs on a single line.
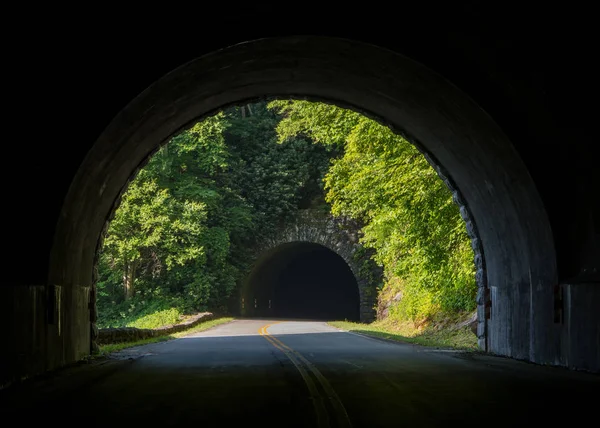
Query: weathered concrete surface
[[231, 375], [335, 233], [511, 126], [580, 315], [47, 327]]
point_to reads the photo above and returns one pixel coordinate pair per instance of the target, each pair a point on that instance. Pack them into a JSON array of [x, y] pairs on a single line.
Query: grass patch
[[141, 312], [444, 337], [157, 319], [113, 347]]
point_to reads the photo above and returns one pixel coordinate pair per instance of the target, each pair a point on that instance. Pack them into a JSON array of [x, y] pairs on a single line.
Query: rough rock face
[[131, 334], [473, 326], [472, 323], [384, 305]]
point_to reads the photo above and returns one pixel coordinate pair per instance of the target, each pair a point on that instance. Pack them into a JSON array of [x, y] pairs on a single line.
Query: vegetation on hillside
[[407, 211], [179, 241], [440, 334]]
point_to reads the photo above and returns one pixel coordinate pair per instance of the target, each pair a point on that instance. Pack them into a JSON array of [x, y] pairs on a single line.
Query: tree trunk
[[128, 279]]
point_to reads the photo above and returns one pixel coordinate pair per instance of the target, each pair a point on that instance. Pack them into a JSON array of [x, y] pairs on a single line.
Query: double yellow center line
[[306, 368]]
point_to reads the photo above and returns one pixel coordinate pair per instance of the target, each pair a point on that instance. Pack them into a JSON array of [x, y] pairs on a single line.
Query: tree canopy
[[408, 214], [185, 225], [182, 232]]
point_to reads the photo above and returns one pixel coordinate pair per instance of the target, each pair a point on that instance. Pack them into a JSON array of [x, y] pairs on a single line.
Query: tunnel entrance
[[520, 308], [301, 280]]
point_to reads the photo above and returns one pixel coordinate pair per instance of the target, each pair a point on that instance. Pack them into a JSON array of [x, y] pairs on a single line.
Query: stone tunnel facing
[[301, 280]]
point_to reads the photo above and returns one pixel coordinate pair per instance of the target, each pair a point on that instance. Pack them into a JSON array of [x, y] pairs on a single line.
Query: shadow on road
[[243, 379]]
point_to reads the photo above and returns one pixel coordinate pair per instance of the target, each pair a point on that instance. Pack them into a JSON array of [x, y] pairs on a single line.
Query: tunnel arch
[[504, 212], [301, 279], [337, 234]]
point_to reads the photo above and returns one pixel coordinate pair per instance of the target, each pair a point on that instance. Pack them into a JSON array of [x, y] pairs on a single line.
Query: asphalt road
[[267, 373]]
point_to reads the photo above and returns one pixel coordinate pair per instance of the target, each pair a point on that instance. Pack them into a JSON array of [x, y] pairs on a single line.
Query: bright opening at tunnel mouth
[[253, 212], [301, 280]]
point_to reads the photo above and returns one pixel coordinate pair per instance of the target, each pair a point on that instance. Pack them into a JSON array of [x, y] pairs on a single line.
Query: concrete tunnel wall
[[534, 313], [301, 280]]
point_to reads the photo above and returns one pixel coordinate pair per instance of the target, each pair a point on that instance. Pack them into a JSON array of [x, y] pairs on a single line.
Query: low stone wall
[[131, 334]]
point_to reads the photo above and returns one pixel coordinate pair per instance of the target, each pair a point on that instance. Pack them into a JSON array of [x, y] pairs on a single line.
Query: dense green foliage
[[181, 237], [178, 241], [407, 211]]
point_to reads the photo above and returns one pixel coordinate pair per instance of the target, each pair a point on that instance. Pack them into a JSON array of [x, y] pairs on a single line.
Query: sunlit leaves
[[163, 227], [194, 211], [304, 118], [205, 144], [188, 220], [407, 210]]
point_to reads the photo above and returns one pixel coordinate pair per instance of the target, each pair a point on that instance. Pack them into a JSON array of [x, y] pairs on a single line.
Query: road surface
[[275, 373]]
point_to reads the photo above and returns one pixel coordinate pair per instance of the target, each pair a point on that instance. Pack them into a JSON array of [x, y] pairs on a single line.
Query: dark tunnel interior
[[302, 280]]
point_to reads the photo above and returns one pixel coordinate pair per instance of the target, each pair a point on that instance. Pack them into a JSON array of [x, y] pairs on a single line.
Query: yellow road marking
[[320, 410], [297, 359]]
